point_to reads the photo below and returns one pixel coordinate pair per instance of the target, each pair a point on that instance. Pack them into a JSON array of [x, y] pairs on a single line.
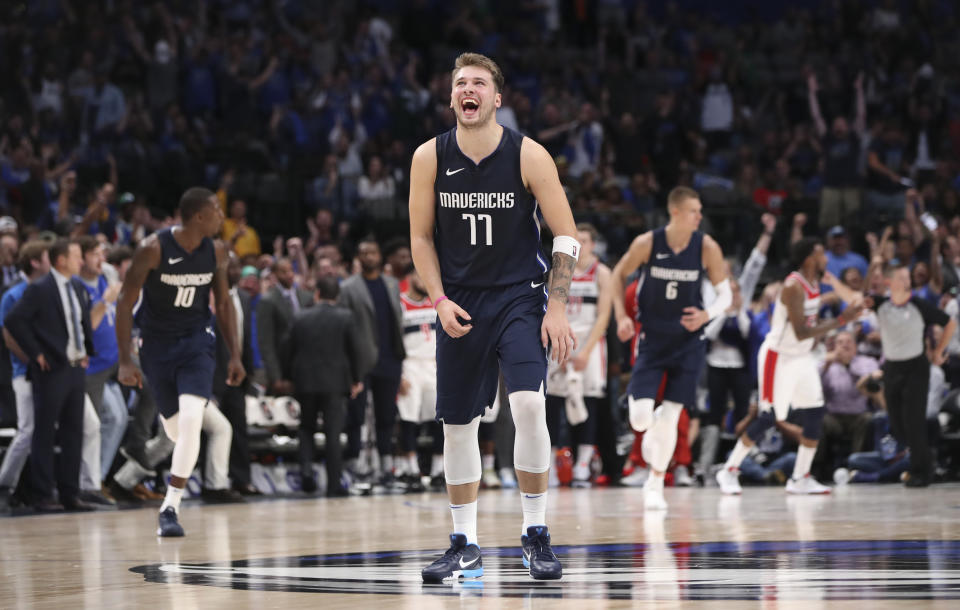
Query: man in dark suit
[[374, 299], [322, 357], [51, 324], [275, 313], [232, 399]]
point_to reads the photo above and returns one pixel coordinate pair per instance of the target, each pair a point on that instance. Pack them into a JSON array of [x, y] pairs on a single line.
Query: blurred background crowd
[[835, 118]]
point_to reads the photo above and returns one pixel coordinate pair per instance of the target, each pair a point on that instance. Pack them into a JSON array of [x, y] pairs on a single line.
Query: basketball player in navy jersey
[[672, 314], [176, 269], [475, 200]]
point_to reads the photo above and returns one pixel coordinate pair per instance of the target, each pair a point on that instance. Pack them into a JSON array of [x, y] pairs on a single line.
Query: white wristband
[[564, 244]]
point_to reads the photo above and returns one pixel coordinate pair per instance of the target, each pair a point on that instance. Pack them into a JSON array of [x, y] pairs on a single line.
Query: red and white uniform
[[419, 403], [787, 370], [582, 314]]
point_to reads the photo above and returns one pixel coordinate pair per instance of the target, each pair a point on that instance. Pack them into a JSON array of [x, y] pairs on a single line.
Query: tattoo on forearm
[[560, 276]]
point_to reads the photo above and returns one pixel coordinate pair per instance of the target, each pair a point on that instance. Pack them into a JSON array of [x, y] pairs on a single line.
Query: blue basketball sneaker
[[461, 560], [538, 556], [169, 526]]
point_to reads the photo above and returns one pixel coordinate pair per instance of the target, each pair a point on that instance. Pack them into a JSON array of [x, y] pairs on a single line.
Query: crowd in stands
[[835, 118]]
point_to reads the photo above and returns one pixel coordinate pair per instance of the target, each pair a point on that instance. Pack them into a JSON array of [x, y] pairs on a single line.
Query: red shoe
[[564, 465]]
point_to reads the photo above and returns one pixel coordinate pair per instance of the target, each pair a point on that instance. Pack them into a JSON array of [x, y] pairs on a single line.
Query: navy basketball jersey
[[176, 295], [669, 283], [487, 223]]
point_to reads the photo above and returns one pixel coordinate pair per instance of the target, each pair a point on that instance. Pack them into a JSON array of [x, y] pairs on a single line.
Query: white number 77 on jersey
[[473, 218]]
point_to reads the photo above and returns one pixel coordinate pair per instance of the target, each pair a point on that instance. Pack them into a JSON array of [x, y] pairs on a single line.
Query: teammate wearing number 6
[[672, 315], [476, 197], [176, 269]]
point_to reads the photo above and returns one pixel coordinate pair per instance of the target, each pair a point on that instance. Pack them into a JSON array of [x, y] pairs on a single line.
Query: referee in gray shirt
[[906, 370]]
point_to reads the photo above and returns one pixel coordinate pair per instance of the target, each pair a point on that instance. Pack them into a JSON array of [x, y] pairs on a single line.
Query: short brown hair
[[482, 61], [31, 251], [679, 194], [586, 227], [87, 243]]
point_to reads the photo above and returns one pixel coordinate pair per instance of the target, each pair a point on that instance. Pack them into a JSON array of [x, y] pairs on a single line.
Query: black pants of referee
[[905, 386]]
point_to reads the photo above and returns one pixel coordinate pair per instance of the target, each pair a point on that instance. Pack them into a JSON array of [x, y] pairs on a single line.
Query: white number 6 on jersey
[[671, 290]]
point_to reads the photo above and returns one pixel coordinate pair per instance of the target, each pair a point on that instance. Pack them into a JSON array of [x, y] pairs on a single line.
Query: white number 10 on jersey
[[185, 295], [474, 218]]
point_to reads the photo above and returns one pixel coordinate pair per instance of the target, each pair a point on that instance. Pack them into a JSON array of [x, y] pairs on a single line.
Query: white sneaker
[[653, 499], [729, 481], [841, 476], [507, 478], [636, 478], [681, 477], [806, 486], [490, 479], [581, 472]]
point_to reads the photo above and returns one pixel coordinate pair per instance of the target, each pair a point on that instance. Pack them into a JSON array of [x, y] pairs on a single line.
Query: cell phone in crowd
[[929, 221], [906, 183]]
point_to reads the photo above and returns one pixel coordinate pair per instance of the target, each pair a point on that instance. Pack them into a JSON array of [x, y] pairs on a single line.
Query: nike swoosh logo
[[174, 261], [468, 564], [533, 285], [450, 173], [662, 256]]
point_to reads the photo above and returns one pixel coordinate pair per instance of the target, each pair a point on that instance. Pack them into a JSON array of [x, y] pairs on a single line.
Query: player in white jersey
[[787, 370], [577, 386], [417, 396]]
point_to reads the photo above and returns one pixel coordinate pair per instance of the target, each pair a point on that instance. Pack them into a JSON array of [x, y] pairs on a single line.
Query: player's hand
[[42, 363], [404, 387], [235, 372], [448, 312], [355, 389], [693, 318], [579, 361], [129, 374], [625, 328], [556, 331]]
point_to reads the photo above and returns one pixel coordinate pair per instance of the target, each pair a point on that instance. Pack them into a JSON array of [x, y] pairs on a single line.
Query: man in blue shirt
[[34, 263], [839, 256], [105, 395]]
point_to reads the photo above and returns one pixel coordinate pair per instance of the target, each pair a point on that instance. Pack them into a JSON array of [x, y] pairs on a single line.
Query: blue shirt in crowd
[[10, 298], [105, 335]]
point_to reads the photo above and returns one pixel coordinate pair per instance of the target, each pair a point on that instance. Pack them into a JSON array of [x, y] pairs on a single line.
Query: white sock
[[801, 467], [465, 520], [654, 482], [413, 465], [487, 461], [172, 499], [386, 463], [534, 510], [584, 455], [436, 465], [740, 451]]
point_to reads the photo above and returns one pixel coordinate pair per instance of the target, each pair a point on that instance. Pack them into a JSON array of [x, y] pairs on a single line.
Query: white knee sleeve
[[641, 413], [531, 446], [185, 427], [660, 440], [461, 453], [219, 438]]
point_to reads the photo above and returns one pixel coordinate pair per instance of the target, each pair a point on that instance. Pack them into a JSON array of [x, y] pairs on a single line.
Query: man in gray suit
[[374, 299], [321, 354], [275, 313]]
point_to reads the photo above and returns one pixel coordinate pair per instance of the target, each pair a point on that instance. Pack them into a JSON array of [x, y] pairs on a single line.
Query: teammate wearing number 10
[[176, 268], [671, 313], [476, 194]]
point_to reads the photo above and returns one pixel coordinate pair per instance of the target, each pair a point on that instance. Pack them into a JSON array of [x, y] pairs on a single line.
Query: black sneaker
[[438, 483], [538, 556], [169, 526], [221, 496], [461, 560]]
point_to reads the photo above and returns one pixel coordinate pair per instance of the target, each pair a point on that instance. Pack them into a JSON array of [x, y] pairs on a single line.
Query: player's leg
[[384, 392], [466, 384], [585, 438], [775, 389], [217, 465], [660, 441], [409, 407], [555, 425], [807, 398], [524, 365], [645, 380]]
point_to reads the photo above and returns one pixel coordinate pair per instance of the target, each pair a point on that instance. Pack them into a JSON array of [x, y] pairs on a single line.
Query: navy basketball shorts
[[680, 357], [179, 365], [505, 336]]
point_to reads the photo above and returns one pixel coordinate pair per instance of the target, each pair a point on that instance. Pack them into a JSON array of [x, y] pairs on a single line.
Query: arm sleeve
[[931, 315]]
